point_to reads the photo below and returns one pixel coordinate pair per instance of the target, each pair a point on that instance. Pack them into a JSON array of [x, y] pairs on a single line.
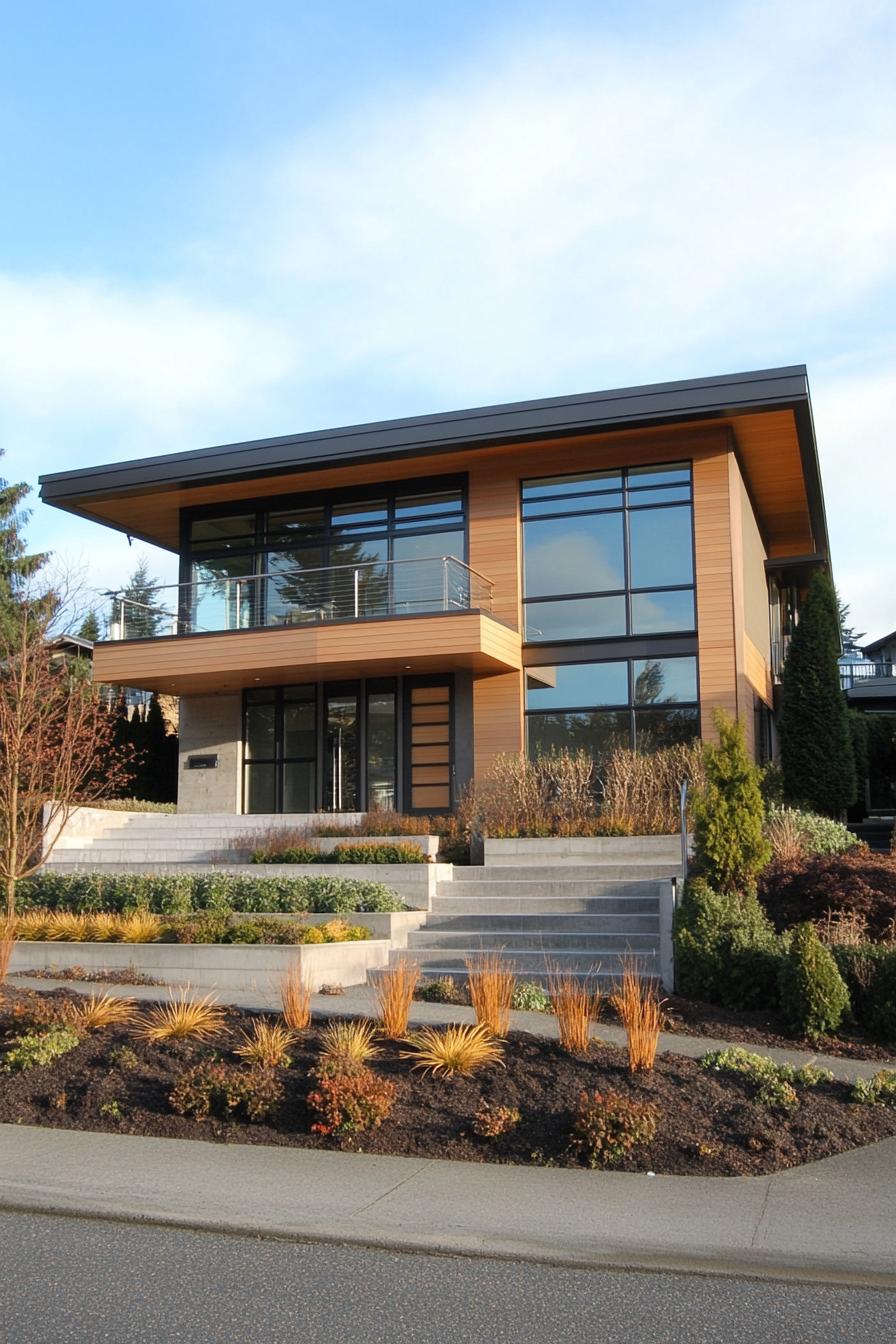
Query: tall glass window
[[608, 554], [645, 703], [280, 749], [326, 558]]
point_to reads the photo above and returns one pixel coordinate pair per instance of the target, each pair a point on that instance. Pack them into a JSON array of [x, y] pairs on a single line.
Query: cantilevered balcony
[[380, 618]]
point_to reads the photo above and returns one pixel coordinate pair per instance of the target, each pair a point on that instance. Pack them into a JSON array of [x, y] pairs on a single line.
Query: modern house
[[367, 615]]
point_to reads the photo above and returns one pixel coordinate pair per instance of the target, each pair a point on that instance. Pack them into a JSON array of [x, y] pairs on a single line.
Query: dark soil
[[123, 975], [687, 1017], [709, 1124]]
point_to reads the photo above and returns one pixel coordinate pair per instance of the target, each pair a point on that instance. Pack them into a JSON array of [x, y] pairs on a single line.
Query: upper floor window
[[608, 554]]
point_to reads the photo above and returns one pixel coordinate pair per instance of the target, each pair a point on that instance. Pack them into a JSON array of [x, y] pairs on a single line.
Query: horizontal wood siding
[[497, 718], [715, 602]]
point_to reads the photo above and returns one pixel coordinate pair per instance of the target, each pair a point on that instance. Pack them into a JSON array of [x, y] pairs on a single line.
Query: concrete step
[[590, 945], [554, 886], [533, 924], [538, 905], [611, 871], [528, 965]]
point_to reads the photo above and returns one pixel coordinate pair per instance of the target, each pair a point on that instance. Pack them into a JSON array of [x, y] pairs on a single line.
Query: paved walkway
[[358, 1001], [831, 1221]]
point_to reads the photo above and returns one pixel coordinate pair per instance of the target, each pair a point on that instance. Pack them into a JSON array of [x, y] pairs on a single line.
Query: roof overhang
[[99, 492]]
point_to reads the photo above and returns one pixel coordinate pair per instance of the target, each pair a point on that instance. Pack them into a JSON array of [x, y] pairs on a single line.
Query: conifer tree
[[90, 627], [729, 813], [817, 759], [16, 566]]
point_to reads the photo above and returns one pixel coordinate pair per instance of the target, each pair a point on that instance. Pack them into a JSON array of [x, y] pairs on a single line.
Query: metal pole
[[683, 818], [357, 584], [444, 583]]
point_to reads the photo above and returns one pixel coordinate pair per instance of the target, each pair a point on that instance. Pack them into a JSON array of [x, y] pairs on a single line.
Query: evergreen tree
[[729, 813], [849, 636], [157, 782], [16, 566], [141, 614], [817, 759], [90, 627]]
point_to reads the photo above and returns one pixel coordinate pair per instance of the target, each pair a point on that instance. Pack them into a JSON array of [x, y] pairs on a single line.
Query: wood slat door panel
[[430, 747]]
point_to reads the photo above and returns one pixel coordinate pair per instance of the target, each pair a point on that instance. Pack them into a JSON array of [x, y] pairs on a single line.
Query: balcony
[[871, 684], [372, 619]]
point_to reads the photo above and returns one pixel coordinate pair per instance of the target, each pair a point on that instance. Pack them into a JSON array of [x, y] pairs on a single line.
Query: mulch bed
[[687, 1017], [709, 1124]]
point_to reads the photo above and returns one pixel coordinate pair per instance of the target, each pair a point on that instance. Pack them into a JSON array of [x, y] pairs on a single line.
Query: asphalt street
[[79, 1281]]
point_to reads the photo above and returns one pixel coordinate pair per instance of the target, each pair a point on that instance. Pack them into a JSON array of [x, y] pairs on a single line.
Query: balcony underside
[[333, 651]]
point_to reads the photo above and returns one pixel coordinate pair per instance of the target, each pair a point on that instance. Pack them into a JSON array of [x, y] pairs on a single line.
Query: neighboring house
[[70, 647], [367, 615], [869, 677]]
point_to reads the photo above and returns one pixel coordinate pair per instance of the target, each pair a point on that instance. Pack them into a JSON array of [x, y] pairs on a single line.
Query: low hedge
[[182, 894], [726, 950], [404, 851]]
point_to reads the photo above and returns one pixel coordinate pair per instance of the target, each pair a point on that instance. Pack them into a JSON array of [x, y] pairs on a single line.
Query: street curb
[[758, 1265]]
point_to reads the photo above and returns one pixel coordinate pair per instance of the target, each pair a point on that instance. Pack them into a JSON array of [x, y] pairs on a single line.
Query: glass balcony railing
[[377, 590]]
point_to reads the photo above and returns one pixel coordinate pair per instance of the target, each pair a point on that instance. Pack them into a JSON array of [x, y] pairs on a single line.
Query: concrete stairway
[[576, 916]]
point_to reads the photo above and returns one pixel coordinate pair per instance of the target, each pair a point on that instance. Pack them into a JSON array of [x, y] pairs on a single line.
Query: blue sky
[[222, 221]]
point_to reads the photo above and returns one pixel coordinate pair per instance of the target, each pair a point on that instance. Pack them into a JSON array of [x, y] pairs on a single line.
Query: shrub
[[792, 833], [35, 1012], [453, 1050], [640, 790], [35, 1049], [306, 853], [728, 813], [295, 997], [266, 1044], [133, 805], [351, 1103], [490, 1122], [345, 1045], [216, 1088], [124, 1059], [869, 971], [218, 891], [444, 989], [531, 997], [402, 851], [726, 950], [879, 1090], [490, 983], [637, 1003], [552, 795], [608, 1125], [393, 990], [576, 1005], [183, 1018], [771, 1084], [855, 880], [813, 995]]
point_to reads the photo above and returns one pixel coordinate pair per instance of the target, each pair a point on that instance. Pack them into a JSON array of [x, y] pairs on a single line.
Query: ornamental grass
[[348, 1043], [453, 1050], [491, 981], [139, 926], [394, 991], [266, 1044], [183, 1018], [637, 1003], [576, 1005], [99, 1011], [295, 997]]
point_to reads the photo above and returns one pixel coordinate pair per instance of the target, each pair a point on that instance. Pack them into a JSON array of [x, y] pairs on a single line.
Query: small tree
[[54, 745], [142, 616], [90, 627], [728, 814], [16, 566], [816, 751]]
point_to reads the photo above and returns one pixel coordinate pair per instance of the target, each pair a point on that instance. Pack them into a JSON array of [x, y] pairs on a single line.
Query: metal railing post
[[683, 820], [444, 582], [357, 577]]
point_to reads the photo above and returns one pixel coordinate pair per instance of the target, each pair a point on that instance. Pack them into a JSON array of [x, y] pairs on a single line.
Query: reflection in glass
[[294, 525], [582, 684], [208, 534], [298, 786], [574, 555], [661, 547], [218, 601], [260, 732], [380, 750], [295, 590], [599, 732], [664, 680], [671, 473], [411, 510], [261, 788], [656, 613], [299, 719], [341, 753], [576, 618], [371, 515], [360, 578], [420, 587], [656, 728]]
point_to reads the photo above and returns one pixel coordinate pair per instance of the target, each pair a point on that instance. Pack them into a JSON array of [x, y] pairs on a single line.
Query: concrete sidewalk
[[831, 1221], [358, 1001]]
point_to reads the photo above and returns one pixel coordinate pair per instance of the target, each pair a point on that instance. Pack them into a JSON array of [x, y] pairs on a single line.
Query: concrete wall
[[210, 725], [245, 968]]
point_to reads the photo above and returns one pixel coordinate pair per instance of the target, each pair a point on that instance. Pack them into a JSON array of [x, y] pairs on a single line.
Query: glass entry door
[[340, 750]]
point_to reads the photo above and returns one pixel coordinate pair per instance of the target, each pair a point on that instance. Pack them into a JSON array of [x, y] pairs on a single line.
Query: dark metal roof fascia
[[514, 422], [880, 643]]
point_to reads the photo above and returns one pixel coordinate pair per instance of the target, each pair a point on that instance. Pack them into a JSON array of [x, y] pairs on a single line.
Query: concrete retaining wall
[[526, 851], [394, 927], [214, 966]]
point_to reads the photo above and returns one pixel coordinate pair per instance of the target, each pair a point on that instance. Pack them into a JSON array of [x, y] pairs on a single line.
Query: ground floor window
[[349, 746], [646, 703]]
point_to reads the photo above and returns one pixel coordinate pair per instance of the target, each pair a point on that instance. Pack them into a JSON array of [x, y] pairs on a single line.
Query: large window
[[325, 557], [644, 703], [608, 554]]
